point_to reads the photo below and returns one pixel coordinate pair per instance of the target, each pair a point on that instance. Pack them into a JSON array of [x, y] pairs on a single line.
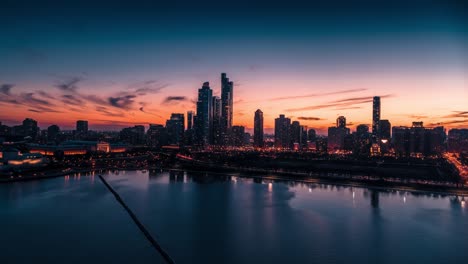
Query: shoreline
[[275, 176]]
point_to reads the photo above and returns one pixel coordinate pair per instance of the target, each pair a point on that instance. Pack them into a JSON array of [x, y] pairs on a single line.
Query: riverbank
[[336, 180], [273, 176]]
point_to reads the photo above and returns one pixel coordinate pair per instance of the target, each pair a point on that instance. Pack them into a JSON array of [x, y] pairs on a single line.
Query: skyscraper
[[175, 129], [82, 126], [217, 109], [258, 128], [376, 117], [282, 132], [295, 133], [204, 120], [341, 122], [52, 133], [336, 135], [385, 128], [189, 120], [227, 97]]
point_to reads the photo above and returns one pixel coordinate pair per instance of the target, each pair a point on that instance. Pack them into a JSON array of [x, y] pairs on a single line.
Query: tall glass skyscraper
[[258, 128], [376, 117], [227, 106], [204, 120]]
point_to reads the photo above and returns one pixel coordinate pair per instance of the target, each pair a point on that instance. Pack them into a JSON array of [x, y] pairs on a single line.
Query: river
[[220, 218]]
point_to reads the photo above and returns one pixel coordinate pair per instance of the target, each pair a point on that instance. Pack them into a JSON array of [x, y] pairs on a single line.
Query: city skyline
[[312, 62]]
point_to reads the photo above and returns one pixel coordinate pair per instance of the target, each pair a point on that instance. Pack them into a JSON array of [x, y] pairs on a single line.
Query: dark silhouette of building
[[401, 141], [311, 135], [133, 135], [336, 135], [282, 132], [157, 135], [341, 122], [238, 136], [417, 139], [258, 128], [227, 97], [376, 117], [362, 141], [458, 140], [385, 128], [175, 129], [217, 129], [82, 126], [189, 134], [52, 133], [204, 118], [189, 120], [295, 137], [321, 144], [436, 138]]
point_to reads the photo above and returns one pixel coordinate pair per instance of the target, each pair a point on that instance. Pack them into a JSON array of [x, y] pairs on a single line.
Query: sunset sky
[[118, 65]]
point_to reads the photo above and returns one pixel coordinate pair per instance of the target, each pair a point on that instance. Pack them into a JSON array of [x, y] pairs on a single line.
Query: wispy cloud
[[69, 85], [342, 103], [457, 114], [6, 88], [317, 94], [171, 99], [309, 118]]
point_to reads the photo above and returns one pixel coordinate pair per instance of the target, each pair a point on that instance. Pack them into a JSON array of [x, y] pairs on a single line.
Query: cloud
[[105, 111], [309, 118], [418, 116], [318, 94], [360, 99], [348, 108], [69, 85], [456, 114], [30, 99], [450, 122], [45, 94], [170, 99], [71, 100], [6, 88], [342, 103], [124, 102]]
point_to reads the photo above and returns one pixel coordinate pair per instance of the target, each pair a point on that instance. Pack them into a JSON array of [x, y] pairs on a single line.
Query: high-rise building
[[52, 133], [227, 97], [189, 120], [175, 129], [82, 126], [336, 135], [204, 124], [238, 136], [417, 139], [217, 111], [376, 117], [133, 135], [341, 122], [362, 141], [401, 141], [30, 128], [157, 135], [436, 138], [311, 135], [258, 128], [295, 130], [458, 140], [385, 128], [282, 133]]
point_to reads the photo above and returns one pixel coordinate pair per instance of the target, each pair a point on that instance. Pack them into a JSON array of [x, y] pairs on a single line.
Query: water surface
[[215, 218]]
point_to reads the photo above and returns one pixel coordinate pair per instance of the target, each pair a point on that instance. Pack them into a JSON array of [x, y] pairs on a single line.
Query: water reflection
[[220, 218]]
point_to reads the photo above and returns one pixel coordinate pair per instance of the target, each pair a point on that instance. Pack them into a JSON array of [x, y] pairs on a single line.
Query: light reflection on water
[[218, 218]]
